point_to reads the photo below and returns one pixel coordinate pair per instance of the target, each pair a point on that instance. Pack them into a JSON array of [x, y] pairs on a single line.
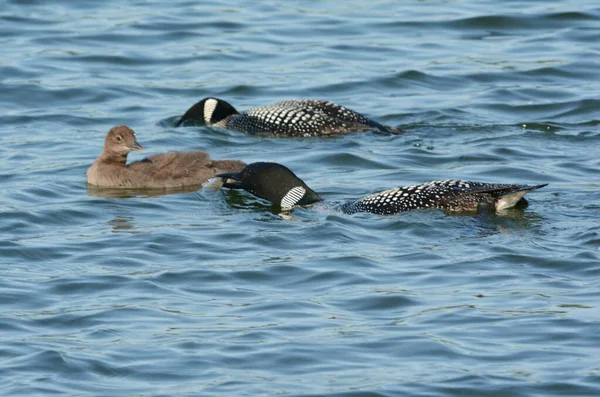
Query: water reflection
[[509, 220], [94, 191], [123, 224]]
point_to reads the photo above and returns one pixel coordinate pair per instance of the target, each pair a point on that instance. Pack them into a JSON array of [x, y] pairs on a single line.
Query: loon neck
[[208, 111], [217, 110], [109, 157]]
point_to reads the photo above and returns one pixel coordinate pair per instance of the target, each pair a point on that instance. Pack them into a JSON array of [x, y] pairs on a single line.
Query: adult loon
[[160, 171], [292, 118], [279, 185]]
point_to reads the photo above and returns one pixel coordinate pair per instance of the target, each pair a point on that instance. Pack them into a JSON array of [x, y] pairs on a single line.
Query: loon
[[304, 118], [279, 185], [160, 171]]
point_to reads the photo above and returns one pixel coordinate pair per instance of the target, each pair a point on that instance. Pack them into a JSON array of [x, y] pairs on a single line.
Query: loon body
[[279, 185], [292, 118], [159, 171]]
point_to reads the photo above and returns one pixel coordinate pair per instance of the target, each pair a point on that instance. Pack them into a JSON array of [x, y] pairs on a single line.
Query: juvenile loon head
[[121, 140], [208, 111], [273, 182]]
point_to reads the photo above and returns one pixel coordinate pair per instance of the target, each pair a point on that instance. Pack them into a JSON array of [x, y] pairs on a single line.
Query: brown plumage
[[160, 171]]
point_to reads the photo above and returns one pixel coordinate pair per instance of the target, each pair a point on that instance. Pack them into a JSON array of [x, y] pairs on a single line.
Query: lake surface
[[211, 293]]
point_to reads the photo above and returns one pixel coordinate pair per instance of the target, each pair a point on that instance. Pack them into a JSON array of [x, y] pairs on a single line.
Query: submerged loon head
[[273, 182], [208, 112]]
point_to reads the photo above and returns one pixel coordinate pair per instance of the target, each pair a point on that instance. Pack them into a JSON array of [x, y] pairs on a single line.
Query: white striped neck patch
[[294, 195], [209, 108]]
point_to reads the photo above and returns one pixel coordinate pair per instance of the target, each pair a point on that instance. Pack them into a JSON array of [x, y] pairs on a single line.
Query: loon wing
[[447, 195], [291, 119], [342, 113]]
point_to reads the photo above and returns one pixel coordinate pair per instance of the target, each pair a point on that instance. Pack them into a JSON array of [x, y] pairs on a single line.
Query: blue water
[[211, 293]]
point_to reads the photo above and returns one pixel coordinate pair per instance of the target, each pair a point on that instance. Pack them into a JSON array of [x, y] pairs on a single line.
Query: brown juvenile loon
[[159, 171]]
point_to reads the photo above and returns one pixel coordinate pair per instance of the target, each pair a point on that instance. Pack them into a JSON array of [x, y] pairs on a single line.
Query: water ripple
[[212, 292]]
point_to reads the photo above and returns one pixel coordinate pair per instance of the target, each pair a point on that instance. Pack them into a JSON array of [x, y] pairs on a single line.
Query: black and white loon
[[292, 118], [279, 185]]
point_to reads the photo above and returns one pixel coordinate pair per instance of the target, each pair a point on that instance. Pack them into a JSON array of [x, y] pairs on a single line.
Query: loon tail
[[393, 130], [384, 128], [512, 197]]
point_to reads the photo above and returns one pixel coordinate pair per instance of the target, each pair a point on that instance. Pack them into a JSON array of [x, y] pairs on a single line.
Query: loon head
[[208, 112], [273, 182], [121, 140]]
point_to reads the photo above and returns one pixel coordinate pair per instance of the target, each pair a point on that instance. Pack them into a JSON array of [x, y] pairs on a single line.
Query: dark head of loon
[[273, 182], [277, 184], [208, 111]]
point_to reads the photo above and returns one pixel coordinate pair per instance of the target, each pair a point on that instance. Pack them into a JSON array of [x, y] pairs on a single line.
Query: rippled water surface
[[211, 292]]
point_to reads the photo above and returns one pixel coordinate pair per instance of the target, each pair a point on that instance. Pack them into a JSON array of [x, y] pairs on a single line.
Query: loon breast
[[446, 195], [302, 118]]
